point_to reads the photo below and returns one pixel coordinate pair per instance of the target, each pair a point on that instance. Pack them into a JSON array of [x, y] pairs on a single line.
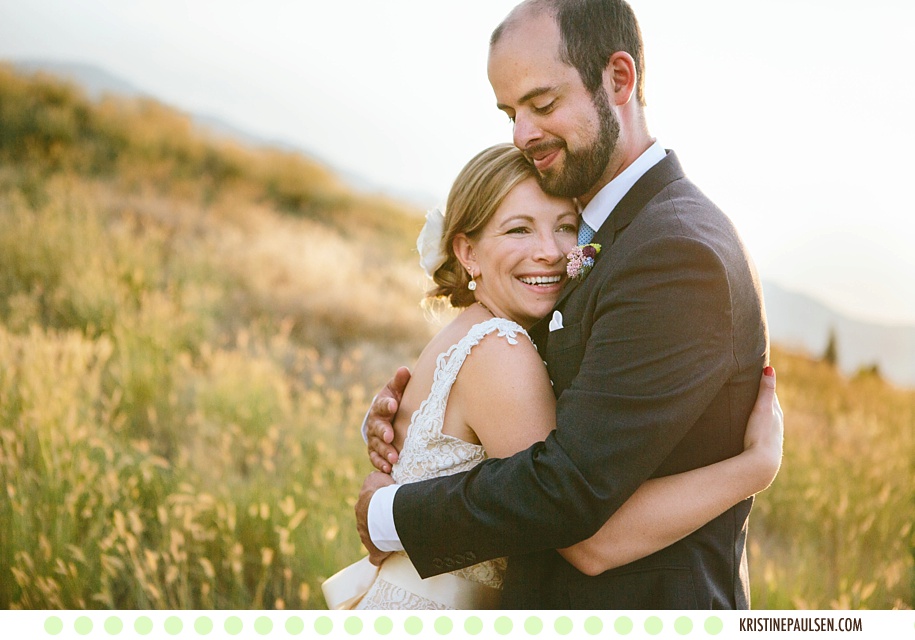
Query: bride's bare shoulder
[[507, 352], [505, 394], [504, 350]]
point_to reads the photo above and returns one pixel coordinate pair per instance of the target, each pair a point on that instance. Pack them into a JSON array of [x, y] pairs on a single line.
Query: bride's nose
[[548, 249]]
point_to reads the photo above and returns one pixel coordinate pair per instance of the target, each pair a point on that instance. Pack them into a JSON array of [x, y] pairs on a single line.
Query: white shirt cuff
[[381, 520], [365, 422]]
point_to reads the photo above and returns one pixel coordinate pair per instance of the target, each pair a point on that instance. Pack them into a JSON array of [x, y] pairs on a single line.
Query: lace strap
[[427, 421], [450, 362]]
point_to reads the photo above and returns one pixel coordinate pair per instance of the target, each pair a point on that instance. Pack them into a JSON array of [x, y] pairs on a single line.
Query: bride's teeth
[[541, 280]]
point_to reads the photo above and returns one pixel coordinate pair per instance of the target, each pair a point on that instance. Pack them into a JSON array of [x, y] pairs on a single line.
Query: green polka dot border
[[683, 625], [413, 625], [294, 626], [391, 625], [533, 625], [593, 626], [83, 625], [713, 625], [653, 625], [473, 625], [203, 625], [384, 625], [623, 625], [173, 625], [503, 625], [323, 626], [443, 625], [143, 625], [53, 626], [263, 625], [366, 624], [233, 625], [113, 625], [353, 625]]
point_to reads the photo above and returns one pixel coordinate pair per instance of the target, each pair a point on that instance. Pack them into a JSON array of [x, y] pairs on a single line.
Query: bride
[[479, 389]]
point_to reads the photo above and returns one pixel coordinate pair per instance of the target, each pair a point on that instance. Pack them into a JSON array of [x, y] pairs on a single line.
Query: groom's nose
[[525, 132]]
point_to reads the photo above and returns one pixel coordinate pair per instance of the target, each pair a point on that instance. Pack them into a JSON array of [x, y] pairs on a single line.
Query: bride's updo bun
[[479, 189]]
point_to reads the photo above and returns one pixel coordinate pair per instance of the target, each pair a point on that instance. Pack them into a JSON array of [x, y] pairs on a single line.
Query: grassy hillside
[[190, 332], [836, 529]]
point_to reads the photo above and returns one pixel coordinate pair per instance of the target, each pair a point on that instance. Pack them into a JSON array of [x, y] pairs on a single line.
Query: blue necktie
[[585, 233]]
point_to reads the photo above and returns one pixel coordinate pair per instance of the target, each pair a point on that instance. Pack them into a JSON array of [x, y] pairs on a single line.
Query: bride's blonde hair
[[478, 190]]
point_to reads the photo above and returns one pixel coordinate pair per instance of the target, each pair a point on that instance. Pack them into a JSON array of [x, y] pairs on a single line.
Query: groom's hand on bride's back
[[378, 427]]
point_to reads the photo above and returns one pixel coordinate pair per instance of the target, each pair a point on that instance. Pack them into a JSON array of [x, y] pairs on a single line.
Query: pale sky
[[795, 116]]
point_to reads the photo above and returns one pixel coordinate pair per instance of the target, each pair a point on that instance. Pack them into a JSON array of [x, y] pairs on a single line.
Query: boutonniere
[[581, 259]]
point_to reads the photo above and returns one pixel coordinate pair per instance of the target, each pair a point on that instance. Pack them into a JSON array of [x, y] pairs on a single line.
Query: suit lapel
[[647, 187]]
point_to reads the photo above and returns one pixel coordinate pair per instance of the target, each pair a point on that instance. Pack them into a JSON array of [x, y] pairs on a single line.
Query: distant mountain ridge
[[796, 320], [799, 321], [97, 82]]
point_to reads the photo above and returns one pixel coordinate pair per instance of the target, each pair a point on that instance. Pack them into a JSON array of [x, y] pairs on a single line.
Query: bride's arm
[[664, 510], [503, 393]]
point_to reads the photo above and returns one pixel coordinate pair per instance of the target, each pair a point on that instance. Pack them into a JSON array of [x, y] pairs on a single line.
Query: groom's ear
[[463, 249], [620, 78]]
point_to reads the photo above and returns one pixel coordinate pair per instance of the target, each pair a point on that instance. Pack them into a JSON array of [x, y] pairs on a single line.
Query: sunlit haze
[[793, 115]]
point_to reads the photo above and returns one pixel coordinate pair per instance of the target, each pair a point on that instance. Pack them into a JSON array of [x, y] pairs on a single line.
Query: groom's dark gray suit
[[656, 371]]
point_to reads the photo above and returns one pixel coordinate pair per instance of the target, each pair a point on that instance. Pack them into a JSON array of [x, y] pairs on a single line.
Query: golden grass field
[[188, 341]]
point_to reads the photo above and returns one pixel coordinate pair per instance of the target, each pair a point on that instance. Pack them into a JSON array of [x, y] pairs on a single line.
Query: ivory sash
[[346, 588]]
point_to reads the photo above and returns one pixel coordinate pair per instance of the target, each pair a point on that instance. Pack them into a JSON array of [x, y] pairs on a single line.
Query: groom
[[655, 361]]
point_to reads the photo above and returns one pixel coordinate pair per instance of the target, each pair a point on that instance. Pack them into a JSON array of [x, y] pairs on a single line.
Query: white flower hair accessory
[[429, 242]]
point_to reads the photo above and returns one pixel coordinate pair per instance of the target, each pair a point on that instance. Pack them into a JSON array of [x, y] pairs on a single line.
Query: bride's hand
[[765, 432], [378, 427]]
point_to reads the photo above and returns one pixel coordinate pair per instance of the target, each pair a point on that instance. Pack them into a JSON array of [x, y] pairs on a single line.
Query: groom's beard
[[584, 167]]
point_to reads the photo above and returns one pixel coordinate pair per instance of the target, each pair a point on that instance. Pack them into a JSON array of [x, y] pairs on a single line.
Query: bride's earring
[[472, 285]]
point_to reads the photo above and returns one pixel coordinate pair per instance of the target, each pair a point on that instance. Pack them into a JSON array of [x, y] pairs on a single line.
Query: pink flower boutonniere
[[581, 259]]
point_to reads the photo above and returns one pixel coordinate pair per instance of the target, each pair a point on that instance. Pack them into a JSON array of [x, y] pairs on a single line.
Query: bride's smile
[[519, 257]]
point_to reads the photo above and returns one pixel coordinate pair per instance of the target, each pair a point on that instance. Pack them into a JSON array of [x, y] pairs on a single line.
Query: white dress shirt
[[382, 528], [598, 210]]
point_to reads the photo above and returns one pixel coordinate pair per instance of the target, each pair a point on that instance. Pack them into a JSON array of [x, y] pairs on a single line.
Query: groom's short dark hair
[[591, 32]]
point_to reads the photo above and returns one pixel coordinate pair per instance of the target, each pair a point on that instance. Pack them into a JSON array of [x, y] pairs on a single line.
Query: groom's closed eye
[[544, 109]]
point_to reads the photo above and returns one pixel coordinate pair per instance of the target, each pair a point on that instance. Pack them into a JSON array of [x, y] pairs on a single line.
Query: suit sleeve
[[659, 351]]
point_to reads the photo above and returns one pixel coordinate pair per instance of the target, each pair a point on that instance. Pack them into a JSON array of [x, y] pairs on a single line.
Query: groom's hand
[[379, 428], [372, 483]]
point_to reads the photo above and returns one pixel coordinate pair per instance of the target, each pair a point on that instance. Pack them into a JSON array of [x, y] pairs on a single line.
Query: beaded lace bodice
[[429, 453]]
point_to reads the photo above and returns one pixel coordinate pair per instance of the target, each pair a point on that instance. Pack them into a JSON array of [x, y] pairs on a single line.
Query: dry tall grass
[[836, 529], [188, 338]]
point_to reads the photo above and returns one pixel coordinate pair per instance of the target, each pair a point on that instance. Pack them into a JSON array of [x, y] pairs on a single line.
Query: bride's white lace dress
[[428, 453]]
